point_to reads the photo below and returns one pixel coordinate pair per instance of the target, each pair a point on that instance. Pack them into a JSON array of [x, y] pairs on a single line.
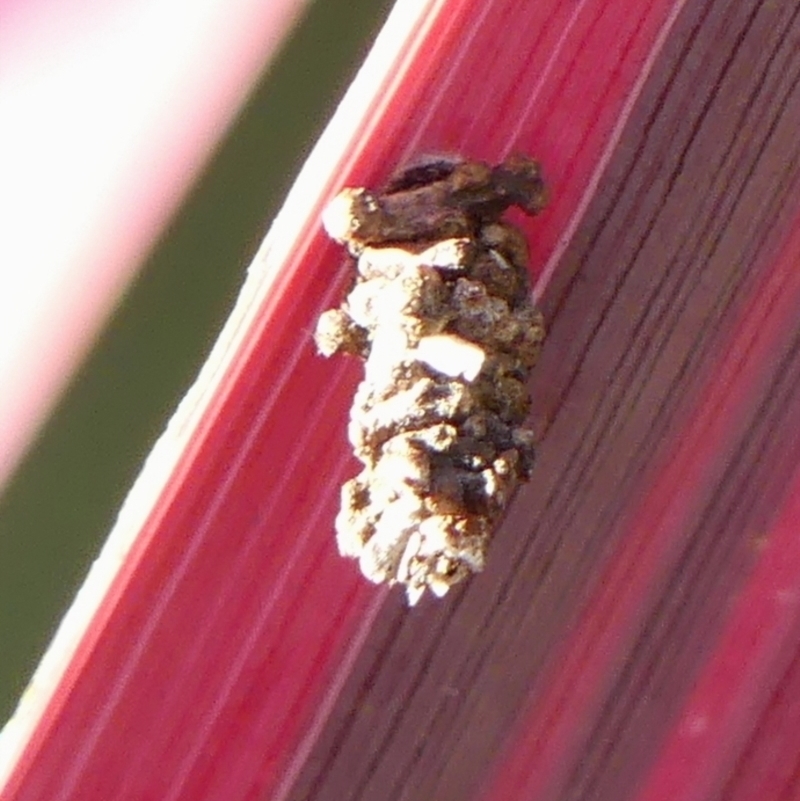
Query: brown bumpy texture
[[440, 312]]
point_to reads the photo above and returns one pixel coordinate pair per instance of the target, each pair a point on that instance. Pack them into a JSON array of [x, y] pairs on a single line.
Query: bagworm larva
[[441, 313]]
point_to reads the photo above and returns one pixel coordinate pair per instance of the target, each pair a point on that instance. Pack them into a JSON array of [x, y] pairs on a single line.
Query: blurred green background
[[56, 512]]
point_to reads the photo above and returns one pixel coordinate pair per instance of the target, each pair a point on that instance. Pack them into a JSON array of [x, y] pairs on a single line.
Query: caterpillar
[[440, 312]]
